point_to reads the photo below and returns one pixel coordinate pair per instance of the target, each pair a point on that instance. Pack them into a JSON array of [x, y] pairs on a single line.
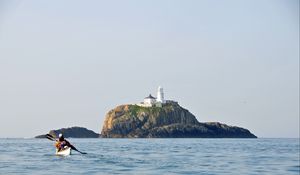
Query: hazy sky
[[66, 63]]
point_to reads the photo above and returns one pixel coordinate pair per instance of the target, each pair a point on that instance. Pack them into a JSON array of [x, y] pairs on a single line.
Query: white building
[[151, 101]]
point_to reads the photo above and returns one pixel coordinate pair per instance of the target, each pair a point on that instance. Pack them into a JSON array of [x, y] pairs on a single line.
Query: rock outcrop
[[169, 121], [74, 132]]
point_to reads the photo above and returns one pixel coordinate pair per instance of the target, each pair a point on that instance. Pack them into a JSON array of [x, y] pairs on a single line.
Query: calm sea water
[[153, 156]]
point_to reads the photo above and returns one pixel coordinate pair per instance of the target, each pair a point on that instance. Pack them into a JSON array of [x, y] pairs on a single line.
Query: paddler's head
[[61, 137]]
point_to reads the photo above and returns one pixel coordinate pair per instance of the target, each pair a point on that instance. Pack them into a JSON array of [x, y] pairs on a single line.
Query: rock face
[[169, 121], [74, 132]]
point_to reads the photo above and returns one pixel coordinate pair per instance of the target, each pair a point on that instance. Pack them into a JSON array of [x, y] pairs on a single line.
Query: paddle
[[73, 147], [50, 137]]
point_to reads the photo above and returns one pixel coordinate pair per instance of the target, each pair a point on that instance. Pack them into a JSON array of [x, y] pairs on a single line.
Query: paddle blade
[[73, 147], [50, 138]]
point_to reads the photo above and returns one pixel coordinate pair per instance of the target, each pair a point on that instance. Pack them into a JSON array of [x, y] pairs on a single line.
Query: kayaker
[[62, 142]]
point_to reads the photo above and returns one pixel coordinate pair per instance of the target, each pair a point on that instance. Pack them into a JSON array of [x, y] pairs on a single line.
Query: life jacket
[[58, 144]]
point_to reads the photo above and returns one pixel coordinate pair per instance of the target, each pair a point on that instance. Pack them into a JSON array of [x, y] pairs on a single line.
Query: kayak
[[64, 152]]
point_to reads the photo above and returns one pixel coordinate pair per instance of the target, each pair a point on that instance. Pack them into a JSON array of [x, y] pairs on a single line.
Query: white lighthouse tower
[[160, 95]]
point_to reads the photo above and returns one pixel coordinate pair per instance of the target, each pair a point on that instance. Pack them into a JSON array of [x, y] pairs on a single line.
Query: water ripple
[[153, 156]]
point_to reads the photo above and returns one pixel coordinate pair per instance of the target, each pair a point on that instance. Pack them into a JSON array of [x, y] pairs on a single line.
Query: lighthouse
[[160, 95], [151, 101]]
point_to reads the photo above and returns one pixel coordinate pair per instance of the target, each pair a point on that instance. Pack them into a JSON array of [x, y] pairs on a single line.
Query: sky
[[67, 63]]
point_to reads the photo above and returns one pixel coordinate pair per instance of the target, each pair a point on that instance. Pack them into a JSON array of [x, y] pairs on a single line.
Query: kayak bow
[[64, 152]]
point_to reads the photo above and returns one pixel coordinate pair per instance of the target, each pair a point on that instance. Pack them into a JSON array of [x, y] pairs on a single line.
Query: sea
[[153, 156]]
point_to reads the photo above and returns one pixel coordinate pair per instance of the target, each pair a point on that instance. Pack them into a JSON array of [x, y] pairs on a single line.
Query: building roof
[[150, 96]]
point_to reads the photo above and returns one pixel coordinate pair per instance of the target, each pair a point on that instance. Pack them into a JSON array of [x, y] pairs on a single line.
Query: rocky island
[[160, 118], [168, 121], [74, 132]]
